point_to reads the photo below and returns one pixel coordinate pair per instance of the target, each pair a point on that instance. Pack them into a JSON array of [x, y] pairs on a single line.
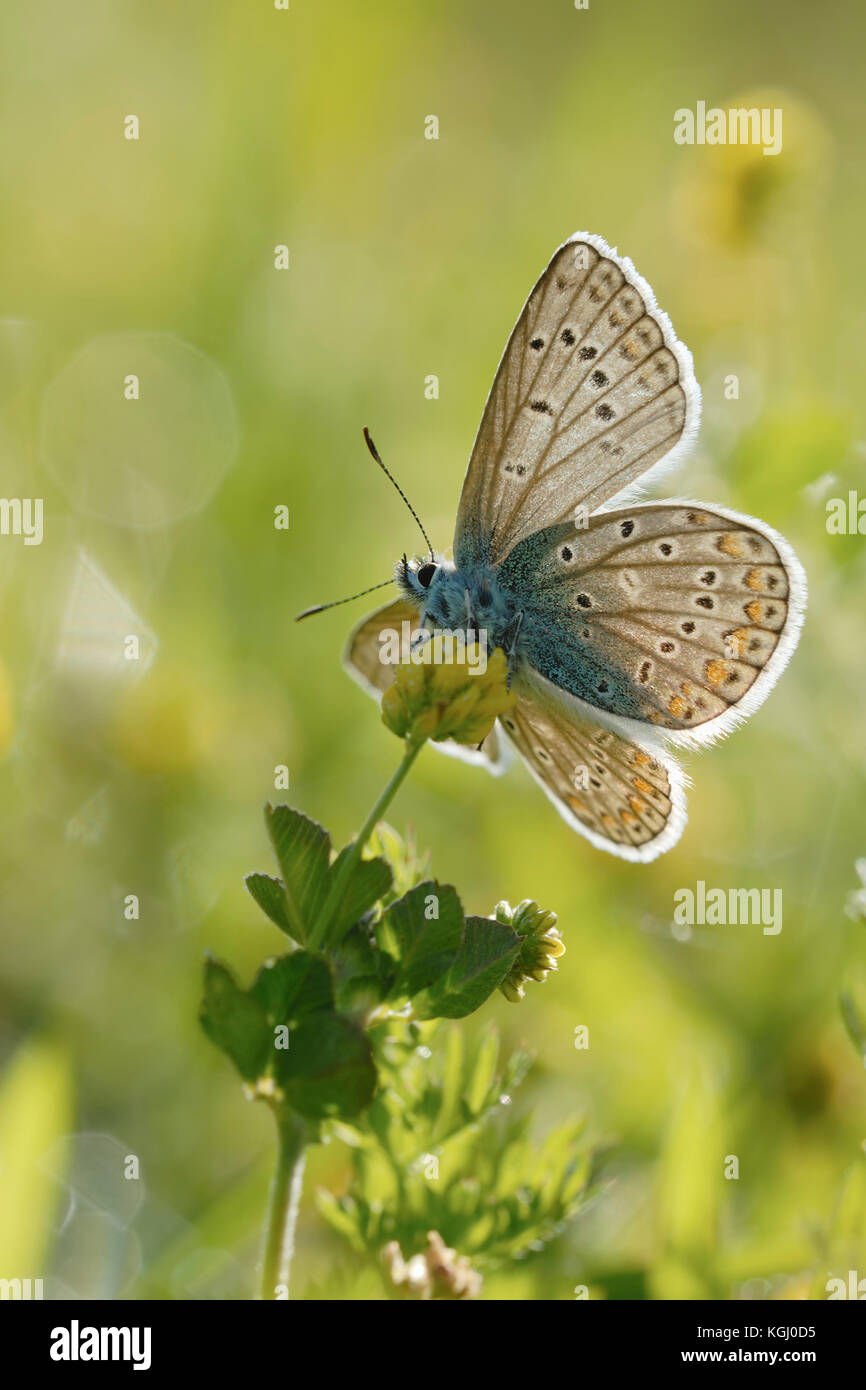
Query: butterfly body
[[472, 600], [629, 626]]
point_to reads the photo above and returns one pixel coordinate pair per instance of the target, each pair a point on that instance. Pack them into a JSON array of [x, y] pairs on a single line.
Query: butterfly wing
[[670, 615], [362, 660], [593, 390], [363, 651], [623, 797]]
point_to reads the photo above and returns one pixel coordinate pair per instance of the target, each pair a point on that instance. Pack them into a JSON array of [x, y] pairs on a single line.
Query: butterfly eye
[[425, 575]]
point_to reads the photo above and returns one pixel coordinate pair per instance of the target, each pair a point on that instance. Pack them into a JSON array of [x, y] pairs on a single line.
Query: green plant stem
[[347, 867], [283, 1203]]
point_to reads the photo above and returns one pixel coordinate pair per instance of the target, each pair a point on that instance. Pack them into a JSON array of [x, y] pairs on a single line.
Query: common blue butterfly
[[629, 626]]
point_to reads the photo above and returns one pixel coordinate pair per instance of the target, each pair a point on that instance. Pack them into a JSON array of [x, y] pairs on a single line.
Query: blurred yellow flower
[[166, 723], [459, 697], [730, 195]]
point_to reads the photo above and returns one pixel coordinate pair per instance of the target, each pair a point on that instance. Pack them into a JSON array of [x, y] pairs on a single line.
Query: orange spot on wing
[[627, 818], [609, 822], [755, 610], [577, 805], [755, 579], [733, 546], [636, 804], [716, 671], [641, 759], [677, 706], [643, 786]]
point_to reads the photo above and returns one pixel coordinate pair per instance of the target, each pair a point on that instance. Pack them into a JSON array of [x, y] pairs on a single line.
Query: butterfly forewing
[[621, 796], [592, 391]]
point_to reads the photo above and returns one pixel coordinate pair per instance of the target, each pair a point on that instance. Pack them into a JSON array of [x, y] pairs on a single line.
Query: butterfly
[[631, 627]]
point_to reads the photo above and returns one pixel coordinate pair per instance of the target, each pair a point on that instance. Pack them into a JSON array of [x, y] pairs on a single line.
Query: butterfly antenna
[[320, 607], [390, 476]]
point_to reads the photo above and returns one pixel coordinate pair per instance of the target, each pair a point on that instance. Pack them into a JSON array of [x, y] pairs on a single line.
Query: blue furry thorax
[[471, 600]]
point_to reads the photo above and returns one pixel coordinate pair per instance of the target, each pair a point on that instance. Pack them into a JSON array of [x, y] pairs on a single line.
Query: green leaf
[[303, 850], [688, 1192], [292, 988], [370, 881], [847, 1233], [234, 1021], [328, 1068], [270, 895], [424, 945], [363, 975], [340, 1218], [478, 1091], [486, 954], [451, 1083]]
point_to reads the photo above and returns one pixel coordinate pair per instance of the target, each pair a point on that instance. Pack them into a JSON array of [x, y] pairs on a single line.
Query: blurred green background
[[408, 257]]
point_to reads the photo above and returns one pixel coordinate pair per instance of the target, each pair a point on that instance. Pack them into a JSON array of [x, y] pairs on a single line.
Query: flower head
[[448, 694], [541, 945], [439, 1272]]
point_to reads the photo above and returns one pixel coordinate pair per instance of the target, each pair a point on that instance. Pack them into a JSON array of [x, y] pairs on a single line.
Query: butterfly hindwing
[[593, 390], [363, 651], [624, 798], [362, 660], [675, 615]]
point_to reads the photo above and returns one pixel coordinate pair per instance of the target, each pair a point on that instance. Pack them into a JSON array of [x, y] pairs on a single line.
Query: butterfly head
[[450, 598], [420, 579]]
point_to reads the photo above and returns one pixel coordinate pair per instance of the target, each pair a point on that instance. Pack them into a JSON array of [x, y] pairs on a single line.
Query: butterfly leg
[[422, 635], [509, 639], [468, 599]]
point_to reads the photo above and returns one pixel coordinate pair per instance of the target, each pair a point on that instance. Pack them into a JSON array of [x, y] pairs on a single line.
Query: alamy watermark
[[852, 1288], [77, 1343], [452, 646], [722, 907], [846, 516], [22, 516], [21, 1290], [738, 125]]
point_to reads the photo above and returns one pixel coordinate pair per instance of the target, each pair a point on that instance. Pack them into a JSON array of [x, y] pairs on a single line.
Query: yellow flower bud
[[413, 685], [393, 712], [456, 713], [540, 948], [425, 725], [449, 695]]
